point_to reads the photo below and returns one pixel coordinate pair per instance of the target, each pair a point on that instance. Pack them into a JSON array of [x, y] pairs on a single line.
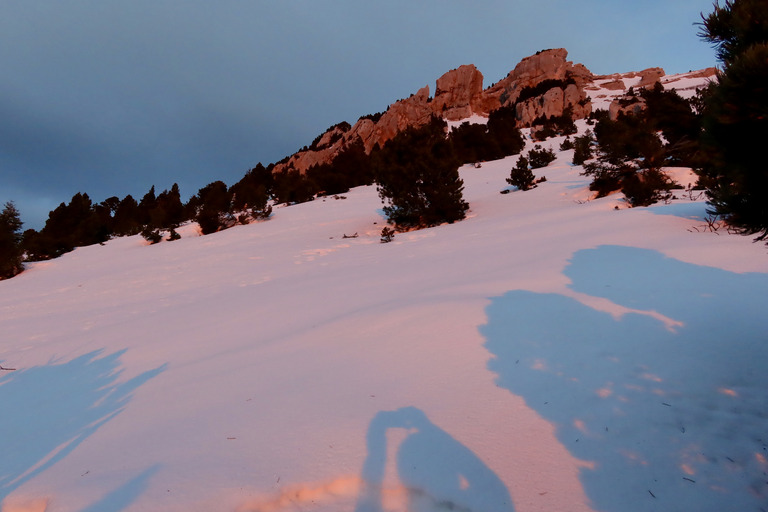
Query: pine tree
[[735, 118], [168, 210], [146, 205], [417, 177], [250, 195], [126, 217], [214, 202], [10, 242], [521, 175]]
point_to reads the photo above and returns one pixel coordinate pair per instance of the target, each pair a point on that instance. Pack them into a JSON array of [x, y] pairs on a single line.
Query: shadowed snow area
[[666, 414], [438, 472], [49, 410]]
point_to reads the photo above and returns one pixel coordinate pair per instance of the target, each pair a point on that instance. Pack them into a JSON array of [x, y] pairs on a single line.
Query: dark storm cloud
[[110, 98]]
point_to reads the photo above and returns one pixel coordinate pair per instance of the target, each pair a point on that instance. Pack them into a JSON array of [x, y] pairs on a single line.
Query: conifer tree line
[[216, 206], [719, 133]]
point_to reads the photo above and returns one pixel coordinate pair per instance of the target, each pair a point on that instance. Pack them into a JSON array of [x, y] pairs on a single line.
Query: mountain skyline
[[112, 100]]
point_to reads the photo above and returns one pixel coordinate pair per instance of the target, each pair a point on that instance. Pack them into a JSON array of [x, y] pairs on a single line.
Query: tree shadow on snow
[[49, 410], [436, 471], [670, 411]]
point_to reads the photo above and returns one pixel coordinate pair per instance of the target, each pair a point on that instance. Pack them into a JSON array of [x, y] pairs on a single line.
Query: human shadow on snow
[[49, 410], [669, 412], [124, 495], [436, 471]]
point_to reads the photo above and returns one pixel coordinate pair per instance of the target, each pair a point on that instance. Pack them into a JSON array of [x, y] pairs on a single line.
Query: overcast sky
[[110, 97]]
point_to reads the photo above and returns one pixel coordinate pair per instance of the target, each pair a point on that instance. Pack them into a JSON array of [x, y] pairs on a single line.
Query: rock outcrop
[[647, 78], [410, 112], [551, 85], [625, 105], [458, 93], [546, 67]]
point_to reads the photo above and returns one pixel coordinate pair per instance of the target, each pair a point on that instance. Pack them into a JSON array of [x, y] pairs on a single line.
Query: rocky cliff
[[542, 85]]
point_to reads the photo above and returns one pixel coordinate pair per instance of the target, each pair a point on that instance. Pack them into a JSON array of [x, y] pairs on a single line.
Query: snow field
[[546, 353]]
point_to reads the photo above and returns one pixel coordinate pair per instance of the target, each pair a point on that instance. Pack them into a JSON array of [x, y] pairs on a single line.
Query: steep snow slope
[[548, 353]]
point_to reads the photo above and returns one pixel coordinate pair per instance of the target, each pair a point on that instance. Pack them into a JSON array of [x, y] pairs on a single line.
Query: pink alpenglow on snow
[[549, 352]]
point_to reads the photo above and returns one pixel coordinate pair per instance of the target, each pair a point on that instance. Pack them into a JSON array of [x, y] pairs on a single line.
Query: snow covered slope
[[550, 352]]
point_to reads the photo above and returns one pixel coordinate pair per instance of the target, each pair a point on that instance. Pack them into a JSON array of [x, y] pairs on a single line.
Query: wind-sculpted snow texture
[[552, 351]]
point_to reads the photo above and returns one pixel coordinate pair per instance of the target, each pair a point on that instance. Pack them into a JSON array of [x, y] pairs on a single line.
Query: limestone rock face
[[581, 75], [615, 85], [546, 65], [363, 130], [530, 73], [548, 104], [457, 93], [333, 134], [650, 76], [576, 98], [703, 73], [303, 160], [410, 112]]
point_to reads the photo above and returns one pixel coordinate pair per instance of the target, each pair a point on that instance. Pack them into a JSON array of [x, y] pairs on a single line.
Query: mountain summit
[[540, 86]]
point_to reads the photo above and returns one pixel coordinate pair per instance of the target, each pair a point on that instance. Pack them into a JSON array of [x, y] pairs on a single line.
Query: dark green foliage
[[627, 138], [350, 168], [582, 148], [625, 146], [669, 113], [646, 187], [76, 224], [387, 235], [629, 153], [341, 127], [472, 143], [126, 217], [173, 235], [213, 207], [10, 242], [503, 129], [521, 175], [417, 175], [250, 195], [539, 157], [735, 118], [168, 210], [498, 138], [542, 87], [735, 27], [606, 177], [151, 235], [373, 117], [146, 205], [554, 126], [292, 187]]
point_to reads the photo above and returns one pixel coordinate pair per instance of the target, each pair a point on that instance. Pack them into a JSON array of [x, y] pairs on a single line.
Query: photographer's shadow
[[436, 472]]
